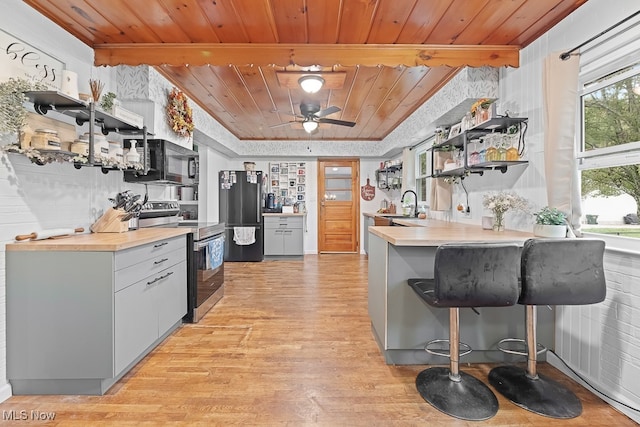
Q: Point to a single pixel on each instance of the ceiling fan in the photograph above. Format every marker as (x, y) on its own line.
(312, 115)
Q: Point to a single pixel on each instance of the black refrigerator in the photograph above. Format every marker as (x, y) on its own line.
(241, 211)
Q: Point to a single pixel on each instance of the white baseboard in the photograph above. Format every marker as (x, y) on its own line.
(558, 364)
(5, 392)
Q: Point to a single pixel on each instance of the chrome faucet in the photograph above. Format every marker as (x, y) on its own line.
(415, 199)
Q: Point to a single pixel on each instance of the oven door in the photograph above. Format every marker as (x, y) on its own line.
(208, 275)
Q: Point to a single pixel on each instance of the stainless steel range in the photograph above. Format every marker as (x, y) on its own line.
(205, 252)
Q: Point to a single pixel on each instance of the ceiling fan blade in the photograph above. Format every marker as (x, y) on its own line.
(327, 111)
(337, 122)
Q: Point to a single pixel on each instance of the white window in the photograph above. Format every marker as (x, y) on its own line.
(423, 173)
(609, 152)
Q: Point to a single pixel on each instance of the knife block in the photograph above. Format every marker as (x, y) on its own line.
(111, 222)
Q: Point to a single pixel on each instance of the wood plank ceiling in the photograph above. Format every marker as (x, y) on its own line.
(225, 54)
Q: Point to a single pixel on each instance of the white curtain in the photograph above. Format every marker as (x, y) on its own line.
(560, 90)
(408, 170)
(440, 191)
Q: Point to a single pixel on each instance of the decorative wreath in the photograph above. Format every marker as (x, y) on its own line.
(179, 113)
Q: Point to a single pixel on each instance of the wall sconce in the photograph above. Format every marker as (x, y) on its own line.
(309, 125)
(311, 84)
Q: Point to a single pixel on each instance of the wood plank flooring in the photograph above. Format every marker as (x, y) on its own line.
(289, 344)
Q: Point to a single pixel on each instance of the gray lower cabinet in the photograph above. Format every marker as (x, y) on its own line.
(284, 235)
(77, 321)
(368, 222)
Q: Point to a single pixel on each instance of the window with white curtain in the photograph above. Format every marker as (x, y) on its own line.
(609, 151)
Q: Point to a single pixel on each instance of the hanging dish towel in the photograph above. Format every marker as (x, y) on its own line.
(244, 235)
(216, 252)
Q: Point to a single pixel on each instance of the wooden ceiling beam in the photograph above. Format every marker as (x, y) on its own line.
(262, 54)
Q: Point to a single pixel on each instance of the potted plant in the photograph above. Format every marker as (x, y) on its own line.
(108, 101)
(550, 222)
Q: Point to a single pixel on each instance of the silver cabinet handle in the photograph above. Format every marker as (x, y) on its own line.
(159, 278)
(159, 245)
(160, 261)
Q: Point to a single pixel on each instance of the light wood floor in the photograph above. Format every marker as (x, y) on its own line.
(289, 344)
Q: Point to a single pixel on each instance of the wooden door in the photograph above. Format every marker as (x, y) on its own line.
(339, 207)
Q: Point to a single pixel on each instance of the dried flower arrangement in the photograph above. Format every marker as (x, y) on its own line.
(179, 113)
(501, 202)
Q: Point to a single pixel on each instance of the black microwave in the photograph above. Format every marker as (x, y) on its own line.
(168, 163)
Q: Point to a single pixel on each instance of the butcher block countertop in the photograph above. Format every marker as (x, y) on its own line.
(284, 214)
(389, 215)
(98, 242)
(435, 233)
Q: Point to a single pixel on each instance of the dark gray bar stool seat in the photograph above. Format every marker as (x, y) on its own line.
(465, 275)
(554, 272)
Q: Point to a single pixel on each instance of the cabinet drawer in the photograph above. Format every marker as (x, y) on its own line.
(146, 310)
(283, 222)
(129, 275)
(129, 257)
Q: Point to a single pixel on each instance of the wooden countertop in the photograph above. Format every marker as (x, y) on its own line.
(389, 215)
(284, 214)
(435, 233)
(411, 222)
(100, 242)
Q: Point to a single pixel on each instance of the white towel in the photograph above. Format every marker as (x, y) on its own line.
(244, 235)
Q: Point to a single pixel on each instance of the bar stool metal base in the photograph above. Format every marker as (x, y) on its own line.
(467, 399)
(541, 395)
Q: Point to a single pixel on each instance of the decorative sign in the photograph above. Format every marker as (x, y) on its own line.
(20, 60)
(368, 191)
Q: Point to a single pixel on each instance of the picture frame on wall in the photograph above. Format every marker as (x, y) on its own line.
(455, 130)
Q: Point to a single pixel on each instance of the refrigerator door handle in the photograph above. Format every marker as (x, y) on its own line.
(258, 203)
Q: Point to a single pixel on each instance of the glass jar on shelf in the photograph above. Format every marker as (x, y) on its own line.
(492, 152)
(482, 153)
(512, 151)
(502, 148)
(473, 155)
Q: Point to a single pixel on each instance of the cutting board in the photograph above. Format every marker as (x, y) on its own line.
(368, 191)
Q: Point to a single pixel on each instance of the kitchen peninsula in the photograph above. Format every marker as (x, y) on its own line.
(402, 323)
(83, 310)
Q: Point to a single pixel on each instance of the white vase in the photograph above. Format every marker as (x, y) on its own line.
(550, 231)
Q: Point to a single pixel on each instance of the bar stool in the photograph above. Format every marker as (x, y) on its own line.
(465, 275)
(554, 272)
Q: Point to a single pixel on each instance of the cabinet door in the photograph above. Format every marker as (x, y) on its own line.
(273, 244)
(136, 322)
(171, 296)
(293, 242)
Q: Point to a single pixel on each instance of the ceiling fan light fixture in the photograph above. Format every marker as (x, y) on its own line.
(309, 125)
(311, 83)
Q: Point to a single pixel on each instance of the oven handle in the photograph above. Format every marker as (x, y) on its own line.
(202, 243)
